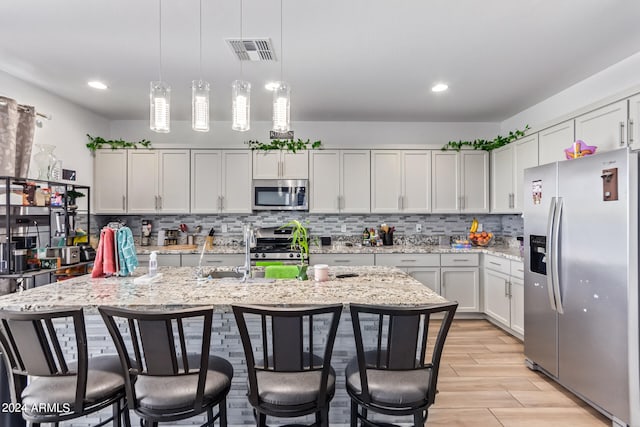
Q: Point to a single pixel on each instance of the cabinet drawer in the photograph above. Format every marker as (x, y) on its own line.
(172, 260)
(408, 260)
(517, 269)
(459, 260)
(496, 263)
(342, 259)
(213, 259)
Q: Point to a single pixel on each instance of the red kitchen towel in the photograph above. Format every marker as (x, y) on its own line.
(104, 264)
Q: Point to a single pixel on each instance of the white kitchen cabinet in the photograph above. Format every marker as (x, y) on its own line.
(604, 127)
(220, 181)
(164, 260)
(340, 181)
(110, 182)
(400, 181)
(212, 260)
(460, 181)
(158, 181)
(504, 292)
(428, 276)
(280, 164)
(634, 122)
(552, 142)
(425, 268)
(460, 280)
(507, 173)
(342, 259)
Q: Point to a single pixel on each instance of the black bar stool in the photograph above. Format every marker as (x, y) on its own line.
(168, 377)
(395, 371)
(292, 376)
(59, 388)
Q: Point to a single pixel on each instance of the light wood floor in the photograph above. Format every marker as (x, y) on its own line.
(483, 382)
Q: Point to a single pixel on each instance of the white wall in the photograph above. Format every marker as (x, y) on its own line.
(621, 77)
(332, 134)
(66, 130)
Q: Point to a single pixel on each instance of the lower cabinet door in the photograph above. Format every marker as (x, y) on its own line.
(497, 303)
(517, 305)
(172, 260)
(461, 285)
(428, 276)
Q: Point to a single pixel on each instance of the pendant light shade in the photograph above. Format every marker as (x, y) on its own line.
(160, 107)
(241, 105)
(281, 108)
(200, 106)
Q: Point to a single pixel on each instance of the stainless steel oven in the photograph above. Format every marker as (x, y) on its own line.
(280, 195)
(274, 244)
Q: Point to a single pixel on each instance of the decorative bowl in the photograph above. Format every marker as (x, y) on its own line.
(481, 239)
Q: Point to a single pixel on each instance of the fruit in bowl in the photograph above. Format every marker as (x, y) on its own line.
(482, 238)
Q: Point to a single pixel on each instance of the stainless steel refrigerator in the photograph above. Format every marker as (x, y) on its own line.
(581, 279)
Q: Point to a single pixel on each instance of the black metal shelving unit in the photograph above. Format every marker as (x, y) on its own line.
(26, 210)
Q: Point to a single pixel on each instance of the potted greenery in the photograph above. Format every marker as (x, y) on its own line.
(72, 195)
(300, 243)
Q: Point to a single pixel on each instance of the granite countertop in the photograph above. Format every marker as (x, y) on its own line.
(498, 250)
(179, 288)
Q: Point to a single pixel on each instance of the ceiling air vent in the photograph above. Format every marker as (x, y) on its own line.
(252, 50)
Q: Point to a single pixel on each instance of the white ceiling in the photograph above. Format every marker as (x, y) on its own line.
(355, 60)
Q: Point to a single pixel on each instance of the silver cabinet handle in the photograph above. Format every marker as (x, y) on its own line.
(221, 203)
(159, 202)
(630, 131)
(459, 260)
(462, 202)
(155, 202)
(342, 260)
(213, 261)
(124, 203)
(399, 202)
(506, 288)
(621, 133)
(510, 295)
(408, 260)
(494, 263)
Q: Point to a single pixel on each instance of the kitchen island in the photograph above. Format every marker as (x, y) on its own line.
(179, 287)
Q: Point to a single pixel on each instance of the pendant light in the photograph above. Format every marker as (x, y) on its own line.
(241, 98)
(282, 94)
(160, 93)
(200, 96)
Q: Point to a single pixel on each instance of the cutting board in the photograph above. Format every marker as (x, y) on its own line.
(180, 247)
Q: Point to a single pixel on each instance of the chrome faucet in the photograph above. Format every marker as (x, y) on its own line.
(249, 242)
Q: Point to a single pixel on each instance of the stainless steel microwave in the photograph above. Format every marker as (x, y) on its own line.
(280, 195)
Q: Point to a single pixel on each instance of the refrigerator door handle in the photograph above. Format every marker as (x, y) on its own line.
(554, 254)
(549, 255)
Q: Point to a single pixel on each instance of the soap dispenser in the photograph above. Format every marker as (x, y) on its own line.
(153, 263)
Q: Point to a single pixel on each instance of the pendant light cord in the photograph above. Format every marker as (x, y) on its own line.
(241, 40)
(160, 38)
(201, 40)
(281, 44)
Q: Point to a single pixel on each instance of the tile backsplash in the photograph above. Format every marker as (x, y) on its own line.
(321, 224)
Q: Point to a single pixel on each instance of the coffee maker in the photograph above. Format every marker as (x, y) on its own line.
(146, 233)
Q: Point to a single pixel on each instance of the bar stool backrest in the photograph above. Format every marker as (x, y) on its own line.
(154, 343)
(31, 347)
(291, 339)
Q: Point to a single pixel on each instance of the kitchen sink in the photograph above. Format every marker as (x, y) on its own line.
(232, 276)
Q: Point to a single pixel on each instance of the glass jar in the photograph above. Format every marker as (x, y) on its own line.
(49, 167)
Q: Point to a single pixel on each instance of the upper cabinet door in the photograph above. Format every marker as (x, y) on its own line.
(355, 181)
(416, 181)
(552, 142)
(634, 122)
(205, 181)
(324, 177)
(386, 181)
(604, 127)
(236, 181)
(525, 156)
(474, 181)
(502, 179)
(110, 178)
(445, 194)
(266, 164)
(173, 181)
(142, 182)
(294, 165)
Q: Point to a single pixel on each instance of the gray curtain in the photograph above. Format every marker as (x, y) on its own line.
(17, 129)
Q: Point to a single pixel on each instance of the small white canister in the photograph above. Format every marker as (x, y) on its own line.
(321, 272)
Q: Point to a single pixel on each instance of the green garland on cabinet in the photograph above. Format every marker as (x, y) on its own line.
(97, 142)
(285, 144)
(486, 145)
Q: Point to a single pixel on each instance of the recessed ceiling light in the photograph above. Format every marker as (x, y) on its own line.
(440, 87)
(98, 85)
(272, 86)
